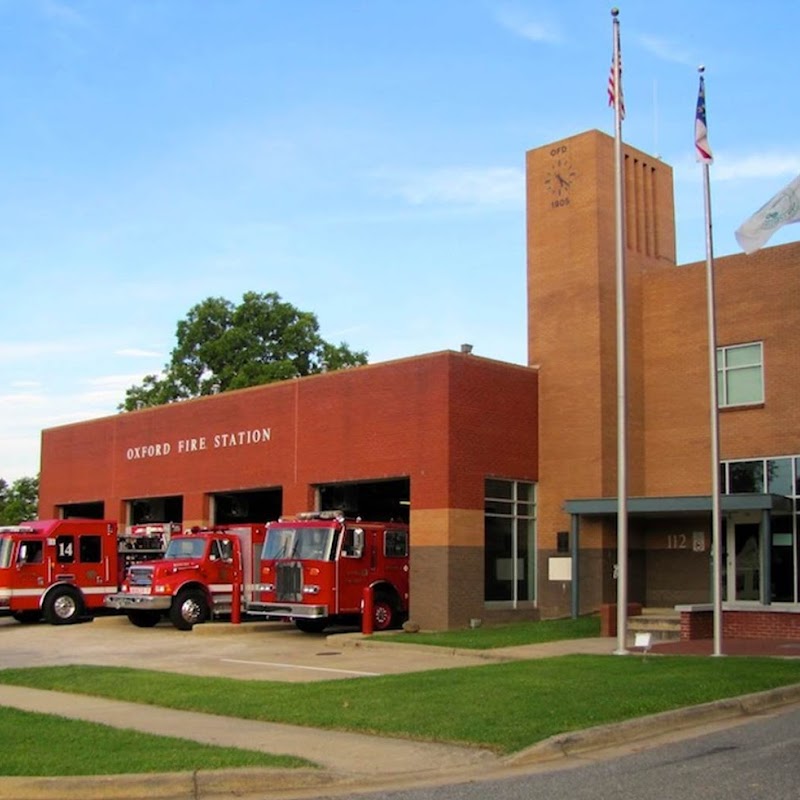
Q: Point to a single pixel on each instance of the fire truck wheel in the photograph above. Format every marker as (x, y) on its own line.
(144, 619)
(62, 606)
(188, 609)
(383, 613)
(311, 625)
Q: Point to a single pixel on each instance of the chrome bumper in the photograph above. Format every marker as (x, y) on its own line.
(123, 601)
(293, 610)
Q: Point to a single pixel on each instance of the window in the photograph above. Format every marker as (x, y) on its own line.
(509, 541)
(740, 374)
(91, 549)
(313, 544)
(221, 550)
(30, 551)
(6, 548)
(750, 476)
(746, 477)
(779, 476)
(353, 543)
(396, 544)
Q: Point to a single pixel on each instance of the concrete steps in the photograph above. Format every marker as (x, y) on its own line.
(663, 625)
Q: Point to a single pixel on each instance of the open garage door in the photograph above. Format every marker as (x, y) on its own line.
(146, 510)
(381, 500)
(255, 505)
(83, 510)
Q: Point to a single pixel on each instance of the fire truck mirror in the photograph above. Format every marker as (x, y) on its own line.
(353, 544)
(227, 550)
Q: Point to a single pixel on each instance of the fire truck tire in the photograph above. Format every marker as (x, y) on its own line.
(63, 606)
(189, 608)
(383, 613)
(27, 617)
(312, 625)
(144, 619)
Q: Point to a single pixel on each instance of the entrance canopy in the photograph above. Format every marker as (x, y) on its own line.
(678, 506)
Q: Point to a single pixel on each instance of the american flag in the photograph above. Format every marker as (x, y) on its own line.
(612, 89)
(700, 129)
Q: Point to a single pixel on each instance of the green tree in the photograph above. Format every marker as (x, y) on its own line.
(223, 346)
(19, 501)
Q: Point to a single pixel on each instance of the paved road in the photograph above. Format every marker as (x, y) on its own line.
(759, 760)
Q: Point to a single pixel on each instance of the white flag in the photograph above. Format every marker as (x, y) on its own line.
(781, 210)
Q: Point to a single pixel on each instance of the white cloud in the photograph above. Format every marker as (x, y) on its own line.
(20, 400)
(464, 186)
(137, 352)
(665, 50)
(114, 381)
(762, 165)
(755, 166)
(521, 24)
(20, 456)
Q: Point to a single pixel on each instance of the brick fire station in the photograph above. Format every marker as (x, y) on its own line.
(508, 473)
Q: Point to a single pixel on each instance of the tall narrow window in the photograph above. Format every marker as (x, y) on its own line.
(509, 541)
(740, 374)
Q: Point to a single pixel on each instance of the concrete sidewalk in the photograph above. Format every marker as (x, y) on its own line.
(346, 760)
(343, 757)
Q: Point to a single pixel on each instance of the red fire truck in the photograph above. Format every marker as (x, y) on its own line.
(316, 566)
(59, 569)
(199, 576)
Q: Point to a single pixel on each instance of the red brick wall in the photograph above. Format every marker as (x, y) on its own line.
(742, 625)
(445, 420)
(757, 299)
(761, 625)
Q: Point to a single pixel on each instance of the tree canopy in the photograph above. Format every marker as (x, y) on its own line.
(223, 346)
(19, 501)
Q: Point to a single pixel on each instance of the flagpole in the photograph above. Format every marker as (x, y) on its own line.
(622, 414)
(716, 512)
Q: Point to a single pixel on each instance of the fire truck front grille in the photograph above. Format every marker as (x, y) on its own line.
(141, 576)
(289, 583)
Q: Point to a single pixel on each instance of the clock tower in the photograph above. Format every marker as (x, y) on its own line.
(572, 327)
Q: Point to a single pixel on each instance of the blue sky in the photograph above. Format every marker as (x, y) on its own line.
(362, 158)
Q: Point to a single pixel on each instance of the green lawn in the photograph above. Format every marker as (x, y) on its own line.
(45, 746)
(504, 706)
(511, 635)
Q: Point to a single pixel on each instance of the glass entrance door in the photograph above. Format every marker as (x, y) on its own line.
(743, 575)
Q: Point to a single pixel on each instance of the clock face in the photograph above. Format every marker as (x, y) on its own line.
(560, 177)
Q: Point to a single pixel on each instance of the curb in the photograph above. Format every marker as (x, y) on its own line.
(166, 786)
(602, 736)
(360, 641)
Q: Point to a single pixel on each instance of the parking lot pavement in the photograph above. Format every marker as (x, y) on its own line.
(264, 650)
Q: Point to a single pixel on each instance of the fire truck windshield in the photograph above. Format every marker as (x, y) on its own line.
(181, 547)
(6, 546)
(303, 544)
